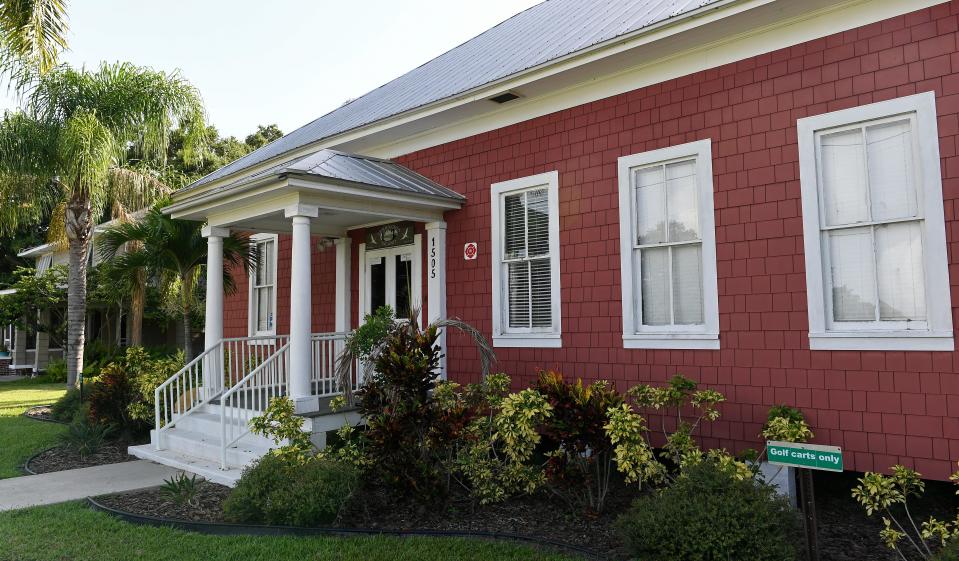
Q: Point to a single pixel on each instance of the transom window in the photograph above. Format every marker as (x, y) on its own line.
(263, 286)
(526, 262)
(875, 237)
(668, 248)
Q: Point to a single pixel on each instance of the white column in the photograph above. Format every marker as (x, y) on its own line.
(301, 310)
(436, 280)
(213, 324)
(19, 351)
(344, 296)
(42, 356)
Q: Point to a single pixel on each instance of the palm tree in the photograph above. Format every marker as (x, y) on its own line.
(70, 150)
(32, 35)
(174, 252)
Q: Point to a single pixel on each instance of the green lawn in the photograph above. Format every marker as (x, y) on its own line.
(73, 532)
(20, 437)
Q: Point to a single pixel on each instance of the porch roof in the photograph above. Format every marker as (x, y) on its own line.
(355, 169)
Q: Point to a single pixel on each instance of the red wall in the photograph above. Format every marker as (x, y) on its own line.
(881, 407)
(323, 260)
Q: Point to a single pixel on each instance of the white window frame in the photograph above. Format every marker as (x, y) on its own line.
(936, 334)
(251, 314)
(635, 334)
(529, 337)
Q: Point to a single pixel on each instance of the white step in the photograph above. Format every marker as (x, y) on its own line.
(209, 424)
(209, 470)
(207, 446)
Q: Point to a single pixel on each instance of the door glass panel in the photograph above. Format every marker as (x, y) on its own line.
(404, 284)
(377, 284)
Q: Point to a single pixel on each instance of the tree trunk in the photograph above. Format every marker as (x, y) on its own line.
(137, 305)
(78, 228)
(186, 294)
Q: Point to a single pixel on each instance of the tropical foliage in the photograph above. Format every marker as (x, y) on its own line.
(174, 252)
(35, 292)
(888, 496)
(67, 154)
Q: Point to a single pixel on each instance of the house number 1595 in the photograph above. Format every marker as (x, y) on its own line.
(433, 258)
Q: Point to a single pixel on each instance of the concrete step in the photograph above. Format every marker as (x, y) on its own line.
(207, 469)
(207, 446)
(209, 423)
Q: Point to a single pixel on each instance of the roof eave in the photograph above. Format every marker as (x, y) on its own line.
(505, 82)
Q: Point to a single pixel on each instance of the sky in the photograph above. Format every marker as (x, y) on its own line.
(283, 61)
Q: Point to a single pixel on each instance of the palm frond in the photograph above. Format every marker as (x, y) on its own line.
(33, 32)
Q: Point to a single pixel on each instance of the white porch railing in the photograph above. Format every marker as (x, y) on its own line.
(250, 397)
(226, 362)
(244, 374)
(326, 350)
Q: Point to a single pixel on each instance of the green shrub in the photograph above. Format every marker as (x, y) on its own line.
(121, 396)
(281, 490)
(84, 437)
(579, 449)
(949, 552)
(408, 446)
(66, 408)
(180, 489)
(708, 514)
(57, 371)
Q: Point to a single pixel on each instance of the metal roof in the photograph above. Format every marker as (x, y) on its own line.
(545, 32)
(354, 168)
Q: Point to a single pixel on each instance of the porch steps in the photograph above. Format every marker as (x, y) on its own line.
(193, 445)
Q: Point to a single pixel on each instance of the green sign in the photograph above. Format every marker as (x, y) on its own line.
(812, 456)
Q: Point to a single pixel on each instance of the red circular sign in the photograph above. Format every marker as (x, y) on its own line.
(470, 250)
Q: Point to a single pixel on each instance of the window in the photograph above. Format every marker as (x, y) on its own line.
(526, 294)
(876, 268)
(668, 249)
(263, 286)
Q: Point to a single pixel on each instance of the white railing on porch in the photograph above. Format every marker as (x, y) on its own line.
(326, 351)
(227, 362)
(244, 375)
(250, 397)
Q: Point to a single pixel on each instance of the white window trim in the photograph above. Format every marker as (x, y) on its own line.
(501, 337)
(251, 329)
(705, 336)
(938, 336)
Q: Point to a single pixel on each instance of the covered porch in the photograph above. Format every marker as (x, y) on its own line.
(314, 199)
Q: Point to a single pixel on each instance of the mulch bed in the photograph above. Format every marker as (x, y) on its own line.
(541, 515)
(845, 532)
(61, 458)
(41, 413)
(152, 502)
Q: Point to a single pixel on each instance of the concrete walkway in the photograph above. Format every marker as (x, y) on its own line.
(12, 377)
(73, 484)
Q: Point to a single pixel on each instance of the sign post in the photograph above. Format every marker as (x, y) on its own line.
(806, 457)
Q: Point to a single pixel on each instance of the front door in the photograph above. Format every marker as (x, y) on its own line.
(392, 279)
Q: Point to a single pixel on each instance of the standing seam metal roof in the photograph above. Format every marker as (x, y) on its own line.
(542, 33)
(354, 168)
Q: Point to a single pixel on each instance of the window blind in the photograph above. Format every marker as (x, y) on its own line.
(526, 260)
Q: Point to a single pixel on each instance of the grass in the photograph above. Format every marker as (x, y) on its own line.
(21, 437)
(73, 532)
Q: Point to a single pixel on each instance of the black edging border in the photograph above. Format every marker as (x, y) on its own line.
(227, 529)
(26, 465)
(42, 420)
